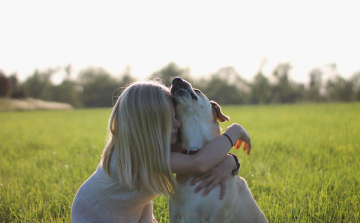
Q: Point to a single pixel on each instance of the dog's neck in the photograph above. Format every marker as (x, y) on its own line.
(196, 133)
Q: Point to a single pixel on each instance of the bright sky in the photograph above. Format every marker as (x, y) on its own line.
(201, 35)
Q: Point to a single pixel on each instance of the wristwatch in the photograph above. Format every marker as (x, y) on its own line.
(237, 167)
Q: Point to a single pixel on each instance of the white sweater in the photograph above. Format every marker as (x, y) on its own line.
(104, 199)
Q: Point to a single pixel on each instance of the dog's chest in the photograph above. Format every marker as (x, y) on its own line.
(192, 204)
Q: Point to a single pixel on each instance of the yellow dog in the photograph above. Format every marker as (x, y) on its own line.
(199, 124)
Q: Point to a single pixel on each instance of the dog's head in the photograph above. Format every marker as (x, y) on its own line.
(198, 116)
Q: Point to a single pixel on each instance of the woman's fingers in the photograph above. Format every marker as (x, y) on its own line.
(211, 186)
(247, 147)
(247, 142)
(238, 144)
(203, 184)
(218, 175)
(223, 190)
(199, 178)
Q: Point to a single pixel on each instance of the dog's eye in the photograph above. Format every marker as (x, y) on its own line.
(197, 91)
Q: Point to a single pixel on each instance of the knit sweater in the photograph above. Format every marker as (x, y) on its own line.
(105, 199)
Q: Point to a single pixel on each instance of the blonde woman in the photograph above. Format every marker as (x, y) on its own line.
(137, 163)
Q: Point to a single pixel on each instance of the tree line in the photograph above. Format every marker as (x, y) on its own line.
(95, 87)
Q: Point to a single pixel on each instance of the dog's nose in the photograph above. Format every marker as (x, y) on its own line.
(177, 80)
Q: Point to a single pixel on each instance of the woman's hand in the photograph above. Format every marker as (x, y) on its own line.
(243, 137)
(217, 175)
(247, 146)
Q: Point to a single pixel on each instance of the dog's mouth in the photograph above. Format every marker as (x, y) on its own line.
(181, 88)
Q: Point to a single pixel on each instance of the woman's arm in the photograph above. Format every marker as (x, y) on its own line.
(217, 175)
(211, 154)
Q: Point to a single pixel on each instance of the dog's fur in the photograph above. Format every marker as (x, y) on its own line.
(199, 124)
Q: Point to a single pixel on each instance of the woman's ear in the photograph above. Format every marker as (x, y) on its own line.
(218, 115)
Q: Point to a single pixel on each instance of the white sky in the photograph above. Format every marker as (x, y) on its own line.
(201, 35)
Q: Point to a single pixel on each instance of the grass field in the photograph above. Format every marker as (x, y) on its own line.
(303, 167)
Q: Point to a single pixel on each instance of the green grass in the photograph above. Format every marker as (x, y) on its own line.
(303, 166)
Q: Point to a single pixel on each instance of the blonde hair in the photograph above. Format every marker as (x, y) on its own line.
(140, 131)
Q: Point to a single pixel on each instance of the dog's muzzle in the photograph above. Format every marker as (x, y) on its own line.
(181, 93)
(181, 88)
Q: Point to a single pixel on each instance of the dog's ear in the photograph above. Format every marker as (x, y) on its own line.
(218, 115)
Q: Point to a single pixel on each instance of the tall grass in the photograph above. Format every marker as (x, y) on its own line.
(303, 166)
(305, 160)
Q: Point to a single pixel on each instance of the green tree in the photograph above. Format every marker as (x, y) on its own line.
(170, 71)
(260, 90)
(5, 85)
(285, 91)
(339, 89)
(126, 77)
(315, 84)
(225, 87)
(67, 92)
(18, 90)
(98, 87)
(39, 85)
(355, 79)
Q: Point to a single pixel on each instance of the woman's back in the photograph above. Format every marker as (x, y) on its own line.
(104, 199)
